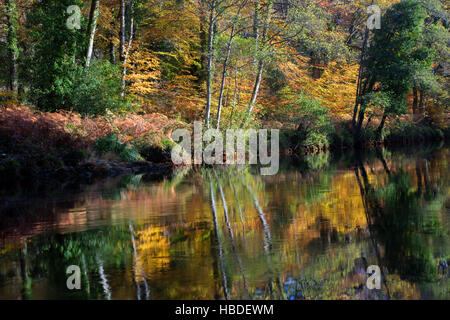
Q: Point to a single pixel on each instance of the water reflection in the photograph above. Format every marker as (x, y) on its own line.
(309, 232)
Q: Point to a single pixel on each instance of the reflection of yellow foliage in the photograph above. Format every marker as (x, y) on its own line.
(401, 289)
(152, 249)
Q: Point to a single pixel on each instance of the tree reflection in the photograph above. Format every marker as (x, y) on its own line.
(399, 222)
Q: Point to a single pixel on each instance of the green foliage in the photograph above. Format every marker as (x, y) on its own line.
(398, 58)
(155, 152)
(111, 143)
(395, 55)
(410, 132)
(54, 61)
(312, 121)
(98, 89)
(275, 78)
(386, 101)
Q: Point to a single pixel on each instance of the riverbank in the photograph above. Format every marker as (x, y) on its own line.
(63, 146)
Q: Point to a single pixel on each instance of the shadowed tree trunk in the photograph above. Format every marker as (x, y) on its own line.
(13, 49)
(127, 50)
(356, 131)
(203, 43)
(112, 52)
(415, 101)
(422, 102)
(381, 126)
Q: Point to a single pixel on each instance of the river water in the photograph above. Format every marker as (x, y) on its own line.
(309, 232)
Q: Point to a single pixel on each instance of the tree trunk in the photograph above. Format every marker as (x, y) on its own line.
(381, 126)
(92, 27)
(415, 101)
(203, 44)
(210, 62)
(256, 29)
(316, 71)
(257, 85)
(255, 91)
(13, 49)
(224, 71)
(122, 30)
(112, 52)
(235, 95)
(360, 76)
(127, 50)
(422, 104)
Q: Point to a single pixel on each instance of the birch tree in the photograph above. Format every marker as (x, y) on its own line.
(92, 27)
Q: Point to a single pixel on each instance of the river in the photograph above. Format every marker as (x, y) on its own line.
(309, 232)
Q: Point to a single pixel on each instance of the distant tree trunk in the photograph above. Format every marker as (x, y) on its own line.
(127, 50)
(235, 95)
(415, 101)
(112, 52)
(203, 44)
(210, 62)
(92, 27)
(122, 30)
(13, 49)
(381, 126)
(316, 71)
(422, 102)
(257, 85)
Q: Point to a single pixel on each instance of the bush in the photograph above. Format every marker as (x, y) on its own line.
(312, 120)
(155, 152)
(111, 143)
(409, 132)
(98, 89)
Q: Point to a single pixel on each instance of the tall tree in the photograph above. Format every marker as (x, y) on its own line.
(211, 22)
(13, 49)
(385, 82)
(127, 49)
(234, 23)
(92, 26)
(122, 30)
(260, 61)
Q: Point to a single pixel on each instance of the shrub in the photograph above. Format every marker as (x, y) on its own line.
(111, 143)
(410, 132)
(312, 121)
(98, 89)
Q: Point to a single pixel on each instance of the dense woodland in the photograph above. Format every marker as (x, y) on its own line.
(136, 69)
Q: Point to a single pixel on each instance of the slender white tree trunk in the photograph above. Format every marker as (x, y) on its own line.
(224, 75)
(92, 27)
(210, 62)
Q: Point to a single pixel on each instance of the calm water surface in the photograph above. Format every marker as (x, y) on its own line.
(309, 232)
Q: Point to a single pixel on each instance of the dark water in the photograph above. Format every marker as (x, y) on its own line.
(309, 232)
